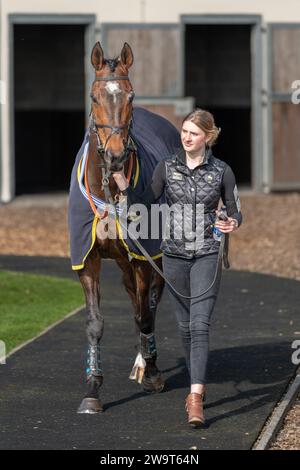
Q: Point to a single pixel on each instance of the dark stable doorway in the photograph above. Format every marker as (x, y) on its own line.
(49, 108)
(218, 75)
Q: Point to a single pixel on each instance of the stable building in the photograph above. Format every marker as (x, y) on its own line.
(239, 60)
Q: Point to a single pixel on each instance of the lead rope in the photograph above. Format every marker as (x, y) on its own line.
(158, 270)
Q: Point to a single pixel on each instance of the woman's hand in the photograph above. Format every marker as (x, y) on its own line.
(121, 180)
(230, 225)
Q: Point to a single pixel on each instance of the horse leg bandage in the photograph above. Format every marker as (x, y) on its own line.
(94, 361)
(148, 346)
(138, 369)
(147, 351)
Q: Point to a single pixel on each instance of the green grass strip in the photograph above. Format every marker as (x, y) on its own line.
(29, 303)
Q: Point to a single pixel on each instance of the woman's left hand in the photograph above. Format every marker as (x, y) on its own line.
(230, 225)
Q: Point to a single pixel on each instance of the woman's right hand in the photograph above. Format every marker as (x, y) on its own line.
(121, 180)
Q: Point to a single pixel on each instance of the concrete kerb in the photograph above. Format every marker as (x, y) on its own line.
(275, 421)
(21, 346)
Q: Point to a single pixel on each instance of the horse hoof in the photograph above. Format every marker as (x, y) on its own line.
(153, 384)
(90, 406)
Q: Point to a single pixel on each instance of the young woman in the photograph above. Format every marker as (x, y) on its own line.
(193, 176)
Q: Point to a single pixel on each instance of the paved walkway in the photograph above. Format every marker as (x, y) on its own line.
(249, 368)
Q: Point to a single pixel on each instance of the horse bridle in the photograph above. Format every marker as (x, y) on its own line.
(101, 149)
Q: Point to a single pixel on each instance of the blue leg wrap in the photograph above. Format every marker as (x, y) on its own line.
(148, 346)
(94, 361)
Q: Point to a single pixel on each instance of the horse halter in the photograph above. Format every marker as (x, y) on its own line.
(101, 149)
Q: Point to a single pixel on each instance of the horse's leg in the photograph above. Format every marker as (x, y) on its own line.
(145, 369)
(156, 290)
(129, 283)
(89, 278)
(128, 278)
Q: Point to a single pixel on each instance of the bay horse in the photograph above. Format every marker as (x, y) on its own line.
(110, 149)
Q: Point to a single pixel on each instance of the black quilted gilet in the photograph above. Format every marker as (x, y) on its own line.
(185, 188)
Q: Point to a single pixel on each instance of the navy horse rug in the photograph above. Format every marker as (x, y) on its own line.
(155, 139)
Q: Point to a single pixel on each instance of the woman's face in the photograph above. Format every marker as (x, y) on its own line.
(192, 137)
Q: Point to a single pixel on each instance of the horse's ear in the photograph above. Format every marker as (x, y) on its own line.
(97, 56)
(126, 56)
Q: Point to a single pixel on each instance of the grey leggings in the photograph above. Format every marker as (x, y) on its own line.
(191, 277)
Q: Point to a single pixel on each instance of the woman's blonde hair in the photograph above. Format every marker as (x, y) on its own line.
(205, 121)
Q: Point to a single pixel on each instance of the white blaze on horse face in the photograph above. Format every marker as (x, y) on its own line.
(113, 88)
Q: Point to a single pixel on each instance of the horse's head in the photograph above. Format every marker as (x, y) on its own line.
(112, 97)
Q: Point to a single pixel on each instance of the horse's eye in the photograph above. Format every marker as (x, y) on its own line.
(131, 96)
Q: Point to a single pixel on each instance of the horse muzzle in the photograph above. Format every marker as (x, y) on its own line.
(115, 162)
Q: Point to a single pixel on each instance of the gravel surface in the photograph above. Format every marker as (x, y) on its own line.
(267, 242)
(288, 437)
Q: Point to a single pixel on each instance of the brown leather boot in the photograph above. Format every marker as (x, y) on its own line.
(194, 408)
